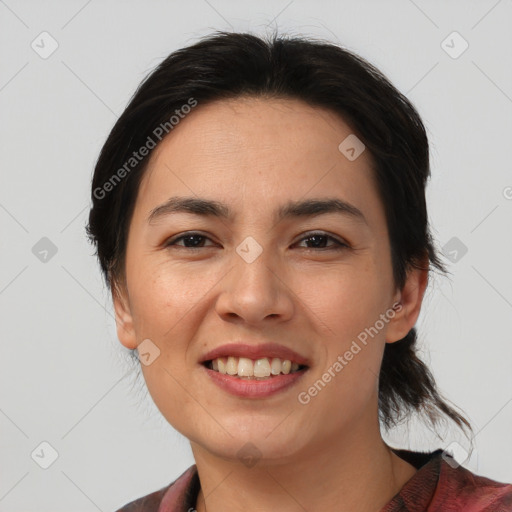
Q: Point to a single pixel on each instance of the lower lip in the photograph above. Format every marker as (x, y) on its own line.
(254, 388)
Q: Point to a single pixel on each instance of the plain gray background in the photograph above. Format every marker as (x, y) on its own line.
(63, 378)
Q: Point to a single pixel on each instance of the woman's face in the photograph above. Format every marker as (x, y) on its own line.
(317, 282)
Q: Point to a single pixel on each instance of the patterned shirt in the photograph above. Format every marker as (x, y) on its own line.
(439, 485)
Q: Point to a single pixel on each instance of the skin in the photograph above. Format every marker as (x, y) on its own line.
(255, 155)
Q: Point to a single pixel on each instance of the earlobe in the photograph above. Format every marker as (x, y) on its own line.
(124, 319)
(410, 299)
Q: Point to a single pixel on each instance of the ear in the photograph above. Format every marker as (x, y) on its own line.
(124, 319)
(410, 298)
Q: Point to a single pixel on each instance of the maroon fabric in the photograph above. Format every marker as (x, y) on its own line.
(440, 487)
(435, 487)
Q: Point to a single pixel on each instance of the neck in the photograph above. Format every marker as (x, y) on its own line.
(342, 472)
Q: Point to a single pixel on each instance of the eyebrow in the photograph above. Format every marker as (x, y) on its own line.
(292, 209)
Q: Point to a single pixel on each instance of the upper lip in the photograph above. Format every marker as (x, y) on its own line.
(255, 352)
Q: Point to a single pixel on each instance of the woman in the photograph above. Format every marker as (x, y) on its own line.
(259, 215)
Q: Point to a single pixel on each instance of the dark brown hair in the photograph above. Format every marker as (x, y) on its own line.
(229, 65)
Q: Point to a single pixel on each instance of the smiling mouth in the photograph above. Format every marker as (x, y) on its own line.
(259, 369)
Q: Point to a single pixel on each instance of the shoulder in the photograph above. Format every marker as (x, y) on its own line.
(441, 485)
(465, 490)
(175, 495)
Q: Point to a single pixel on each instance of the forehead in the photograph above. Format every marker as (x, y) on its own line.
(256, 150)
(286, 126)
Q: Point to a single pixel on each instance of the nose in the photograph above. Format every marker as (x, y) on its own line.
(256, 292)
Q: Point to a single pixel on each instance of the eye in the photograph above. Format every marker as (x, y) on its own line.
(193, 240)
(190, 240)
(319, 239)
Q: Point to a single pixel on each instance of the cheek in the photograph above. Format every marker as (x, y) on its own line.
(346, 307)
(164, 298)
(343, 302)
(169, 306)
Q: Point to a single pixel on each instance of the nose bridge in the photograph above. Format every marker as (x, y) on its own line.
(253, 265)
(254, 290)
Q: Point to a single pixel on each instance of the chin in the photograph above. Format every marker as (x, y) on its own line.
(254, 447)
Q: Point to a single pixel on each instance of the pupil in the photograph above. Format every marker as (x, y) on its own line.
(191, 237)
(316, 237)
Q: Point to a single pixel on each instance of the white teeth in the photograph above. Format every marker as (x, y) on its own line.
(247, 368)
(275, 366)
(232, 366)
(262, 368)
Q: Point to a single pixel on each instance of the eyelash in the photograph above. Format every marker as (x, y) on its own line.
(339, 244)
